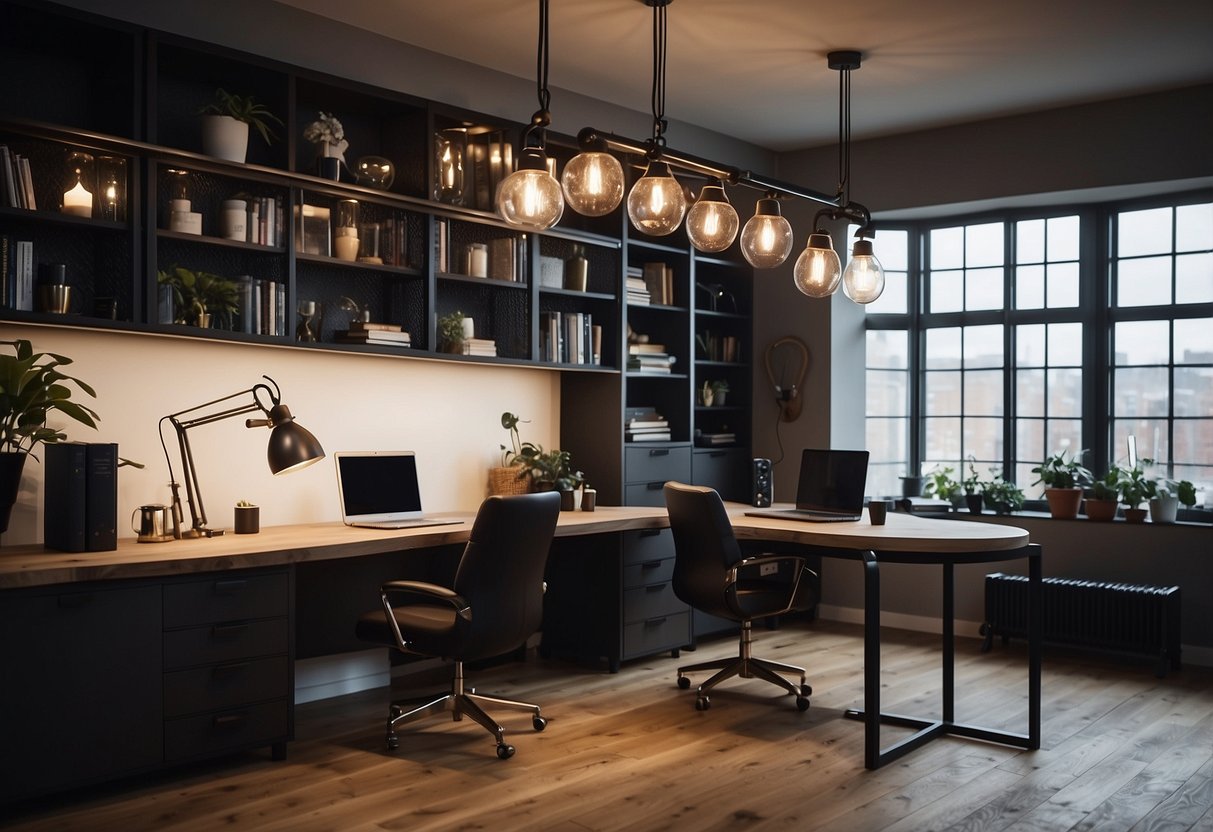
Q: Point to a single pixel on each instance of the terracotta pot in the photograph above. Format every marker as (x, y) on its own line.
(1136, 515)
(1063, 502)
(1102, 510)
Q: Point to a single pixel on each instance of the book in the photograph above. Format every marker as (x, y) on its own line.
(377, 337)
(101, 496)
(23, 275)
(372, 326)
(661, 436)
(639, 349)
(64, 509)
(27, 179)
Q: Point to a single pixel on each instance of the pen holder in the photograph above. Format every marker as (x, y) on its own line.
(248, 519)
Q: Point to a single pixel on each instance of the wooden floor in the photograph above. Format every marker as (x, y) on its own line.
(1121, 750)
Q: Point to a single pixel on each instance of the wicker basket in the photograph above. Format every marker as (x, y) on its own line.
(505, 481)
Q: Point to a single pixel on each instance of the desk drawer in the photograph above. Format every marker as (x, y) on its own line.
(224, 685)
(224, 642)
(725, 469)
(235, 728)
(233, 597)
(648, 573)
(656, 464)
(670, 632)
(647, 545)
(645, 603)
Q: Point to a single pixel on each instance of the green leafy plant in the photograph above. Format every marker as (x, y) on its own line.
(450, 330)
(1059, 472)
(972, 483)
(242, 108)
(1001, 495)
(547, 469)
(198, 293)
(1132, 486)
(940, 484)
(1104, 488)
(32, 387)
(245, 504)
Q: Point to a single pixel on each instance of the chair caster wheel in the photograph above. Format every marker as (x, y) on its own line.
(539, 723)
(806, 690)
(702, 703)
(393, 742)
(684, 683)
(504, 751)
(802, 704)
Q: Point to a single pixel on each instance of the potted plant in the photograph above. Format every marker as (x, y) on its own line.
(971, 485)
(1001, 495)
(32, 386)
(1063, 479)
(720, 389)
(328, 134)
(200, 298)
(450, 331)
(1132, 486)
(547, 470)
(247, 518)
(1165, 495)
(226, 122)
(1102, 503)
(940, 484)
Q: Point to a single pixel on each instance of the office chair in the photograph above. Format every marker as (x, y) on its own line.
(494, 606)
(712, 575)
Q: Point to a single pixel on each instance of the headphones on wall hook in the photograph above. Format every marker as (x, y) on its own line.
(791, 356)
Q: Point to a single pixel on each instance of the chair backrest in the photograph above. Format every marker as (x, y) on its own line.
(704, 545)
(501, 572)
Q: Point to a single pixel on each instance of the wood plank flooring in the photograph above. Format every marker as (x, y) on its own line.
(1121, 751)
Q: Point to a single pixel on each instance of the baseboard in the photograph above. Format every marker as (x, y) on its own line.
(327, 676)
(1189, 653)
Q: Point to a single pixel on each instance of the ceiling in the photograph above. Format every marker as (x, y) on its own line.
(756, 69)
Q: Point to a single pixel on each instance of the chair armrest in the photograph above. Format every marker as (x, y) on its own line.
(798, 571)
(418, 590)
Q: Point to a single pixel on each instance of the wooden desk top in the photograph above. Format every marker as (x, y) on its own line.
(904, 535)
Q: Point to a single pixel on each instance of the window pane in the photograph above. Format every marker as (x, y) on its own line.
(894, 299)
(887, 348)
(1030, 392)
(1193, 440)
(1030, 241)
(1142, 342)
(1145, 282)
(943, 348)
(1194, 393)
(943, 438)
(1065, 345)
(1030, 439)
(983, 438)
(1024, 479)
(1194, 278)
(1143, 232)
(1063, 238)
(1030, 345)
(1065, 392)
(1141, 391)
(882, 479)
(1151, 438)
(892, 249)
(887, 394)
(1030, 287)
(947, 291)
(886, 440)
(1063, 435)
(1194, 227)
(947, 248)
(1063, 285)
(983, 346)
(983, 245)
(983, 289)
(1194, 341)
(942, 393)
(983, 393)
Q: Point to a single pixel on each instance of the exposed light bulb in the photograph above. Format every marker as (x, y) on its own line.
(863, 280)
(818, 270)
(593, 183)
(766, 240)
(656, 203)
(712, 222)
(530, 197)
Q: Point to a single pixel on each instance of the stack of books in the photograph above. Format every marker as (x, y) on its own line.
(368, 332)
(708, 440)
(659, 281)
(645, 424)
(649, 358)
(479, 346)
(16, 181)
(638, 291)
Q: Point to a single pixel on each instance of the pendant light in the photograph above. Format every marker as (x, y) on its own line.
(593, 181)
(656, 203)
(712, 222)
(766, 240)
(818, 270)
(530, 197)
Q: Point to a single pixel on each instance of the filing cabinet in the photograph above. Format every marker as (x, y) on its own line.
(653, 618)
(646, 471)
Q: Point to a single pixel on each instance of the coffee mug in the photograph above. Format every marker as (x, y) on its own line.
(877, 509)
(153, 524)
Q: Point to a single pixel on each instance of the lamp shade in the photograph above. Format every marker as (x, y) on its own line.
(593, 183)
(291, 446)
(818, 270)
(712, 222)
(656, 204)
(530, 197)
(766, 240)
(863, 280)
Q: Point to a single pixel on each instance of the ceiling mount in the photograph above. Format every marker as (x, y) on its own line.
(842, 59)
(657, 2)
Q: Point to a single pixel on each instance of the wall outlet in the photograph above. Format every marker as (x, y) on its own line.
(765, 569)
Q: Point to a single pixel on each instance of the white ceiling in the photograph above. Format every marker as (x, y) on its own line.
(756, 69)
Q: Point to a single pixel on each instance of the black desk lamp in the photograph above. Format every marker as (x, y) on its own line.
(291, 447)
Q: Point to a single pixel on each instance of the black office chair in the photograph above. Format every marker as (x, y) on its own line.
(712, 575)
(495, 605)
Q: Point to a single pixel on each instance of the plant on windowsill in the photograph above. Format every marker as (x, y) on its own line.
(1132, 486)
(1000, 495)
(1063, 479)
(941, 486)
(1165, 497)
(1103, 501)
(971, 485)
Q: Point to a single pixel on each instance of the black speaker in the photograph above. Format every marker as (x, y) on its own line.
(762, 486)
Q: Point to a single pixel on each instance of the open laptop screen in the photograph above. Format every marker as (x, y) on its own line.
(378, 486)
(832, 481)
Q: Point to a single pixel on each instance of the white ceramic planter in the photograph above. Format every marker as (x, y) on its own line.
(225, 138)
(1164, 509)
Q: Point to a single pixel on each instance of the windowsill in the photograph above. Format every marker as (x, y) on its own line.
(964, 514)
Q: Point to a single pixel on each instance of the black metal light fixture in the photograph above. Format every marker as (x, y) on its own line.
(291, 447)
(530, 197)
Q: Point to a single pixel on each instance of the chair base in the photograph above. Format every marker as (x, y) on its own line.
(746, 666)
(461, 703)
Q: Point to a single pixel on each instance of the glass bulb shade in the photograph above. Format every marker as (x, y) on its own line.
(530, 197)
(712, 222)
(863, 280)
(766, 240)
(656, 204)
(593, 183)
(818, 270)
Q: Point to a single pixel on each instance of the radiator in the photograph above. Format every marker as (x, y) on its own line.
(1109, 616)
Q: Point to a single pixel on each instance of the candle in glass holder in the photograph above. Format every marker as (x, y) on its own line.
(78, 201)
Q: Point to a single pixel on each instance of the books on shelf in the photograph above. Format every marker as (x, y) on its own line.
(16, 273)
(569, 338)
(637, 290)
(659, 281)
(642, 349)
(16, 180)
(261, 306)
(709, 440)
(645, 424)
(655, 362)
(480, 346)
(368, 332)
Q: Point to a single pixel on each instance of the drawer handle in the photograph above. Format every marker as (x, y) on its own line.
(650, 532)
(229, 721)
(653, 622)
(655, 486)
(221, 671)
(650, 564)
(227, 630)
(74, 601)
(659, 451)
(229, 587)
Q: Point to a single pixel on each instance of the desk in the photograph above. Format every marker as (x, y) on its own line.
(909, 539)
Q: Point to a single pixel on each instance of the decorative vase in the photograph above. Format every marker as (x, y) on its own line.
(1136, 515)
(11, 465)
(1102, 510)
(329, 167)
(1164, 509)
(225, 138)
(1063, 502)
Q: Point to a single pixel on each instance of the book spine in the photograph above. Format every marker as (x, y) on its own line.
(64, 510)
(101, 497)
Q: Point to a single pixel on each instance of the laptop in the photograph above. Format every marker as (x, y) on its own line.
(379, 490)
(830, 489)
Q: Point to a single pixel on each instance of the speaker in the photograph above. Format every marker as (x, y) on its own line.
(762, 484)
